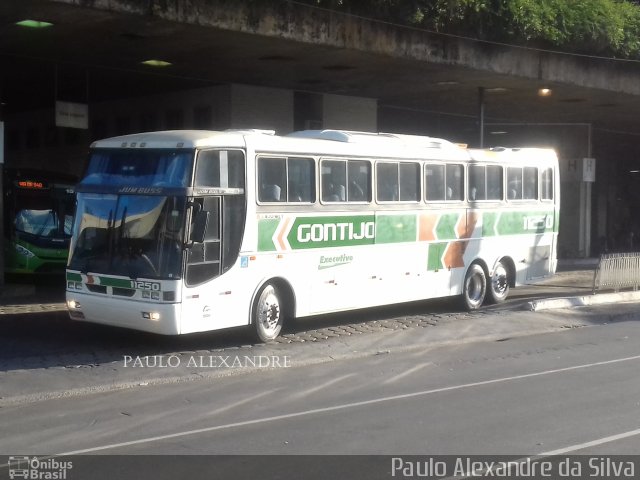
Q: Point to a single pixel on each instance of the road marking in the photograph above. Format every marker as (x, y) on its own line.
(592, 443)
(348, 406)
(237, 403)
(406, 373)
(322, 386)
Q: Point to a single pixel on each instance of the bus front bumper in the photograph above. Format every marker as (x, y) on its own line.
(161, 318)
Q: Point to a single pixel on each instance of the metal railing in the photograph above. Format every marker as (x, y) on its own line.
(616, 271)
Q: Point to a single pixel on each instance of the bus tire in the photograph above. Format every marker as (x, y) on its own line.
(498, 290)
(474, 287)
(268, 313)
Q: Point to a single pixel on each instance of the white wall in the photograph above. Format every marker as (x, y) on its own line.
(222, 107)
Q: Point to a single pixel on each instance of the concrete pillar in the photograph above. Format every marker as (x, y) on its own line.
(584, 239)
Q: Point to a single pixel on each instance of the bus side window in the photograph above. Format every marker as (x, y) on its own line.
(301, 180)
(530, 183)
(547, 184)
(272, 174)
(386, 181)
(455, 182)
(359, 173)
(215, 168)
(477, 183)
(514, 183)
(334, 178)
(494, 182)
(409, 182)
(435, 183)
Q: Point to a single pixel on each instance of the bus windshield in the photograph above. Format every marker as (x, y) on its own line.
(130, 235)
(38, 211)
(44, 214)
(139, 167)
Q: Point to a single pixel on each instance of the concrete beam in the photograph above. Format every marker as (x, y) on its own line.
(306, 24)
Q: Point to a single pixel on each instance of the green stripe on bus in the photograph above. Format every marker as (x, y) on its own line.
(74, 277)
(300, 233)
(266, 229)
(396, 228)
(434, 260)
(114, 282)
(489, 220)
(513, 223)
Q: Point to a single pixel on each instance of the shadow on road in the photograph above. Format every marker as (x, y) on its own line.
(51, 339)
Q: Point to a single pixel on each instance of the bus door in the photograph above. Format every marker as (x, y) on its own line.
(540, 255)
(219, 222)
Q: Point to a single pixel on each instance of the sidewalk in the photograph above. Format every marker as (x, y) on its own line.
(29, 298)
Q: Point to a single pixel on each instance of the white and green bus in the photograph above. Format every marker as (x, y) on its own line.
(188, 231)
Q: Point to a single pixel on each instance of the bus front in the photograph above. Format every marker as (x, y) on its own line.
(159, 218)
(38, 216)
(125, 258)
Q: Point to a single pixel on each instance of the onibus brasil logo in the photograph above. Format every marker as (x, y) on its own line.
(35, 468)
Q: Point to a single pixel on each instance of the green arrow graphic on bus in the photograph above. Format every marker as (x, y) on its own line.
(266, 230)
(446, 228)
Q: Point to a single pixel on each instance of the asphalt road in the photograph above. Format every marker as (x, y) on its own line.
(344, 396)
(566, 392)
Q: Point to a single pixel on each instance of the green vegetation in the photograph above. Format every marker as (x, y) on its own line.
(596, 27)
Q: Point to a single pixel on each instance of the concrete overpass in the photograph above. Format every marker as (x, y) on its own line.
(288, 66)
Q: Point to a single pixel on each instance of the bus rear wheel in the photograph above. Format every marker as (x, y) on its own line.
(474, 287)
(498, 290)
(268, 314)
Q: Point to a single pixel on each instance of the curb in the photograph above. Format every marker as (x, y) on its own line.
(582, 301)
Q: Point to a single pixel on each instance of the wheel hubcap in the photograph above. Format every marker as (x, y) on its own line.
(269, 313)
(475, 288)
(499, 281)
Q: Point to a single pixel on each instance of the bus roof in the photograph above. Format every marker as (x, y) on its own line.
(529, 154)
(178, 139)
(324, 142)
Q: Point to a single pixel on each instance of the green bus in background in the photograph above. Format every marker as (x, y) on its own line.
(38, 212)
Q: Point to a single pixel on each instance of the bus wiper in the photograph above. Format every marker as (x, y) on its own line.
(110, 224)
(122, 221)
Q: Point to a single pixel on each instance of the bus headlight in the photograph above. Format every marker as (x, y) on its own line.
(73, 305)
(75, 312)
(24, 251)
(151, 315)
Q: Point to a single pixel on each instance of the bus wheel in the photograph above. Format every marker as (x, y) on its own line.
(268, 314)
(474, 287)
(499, 284)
